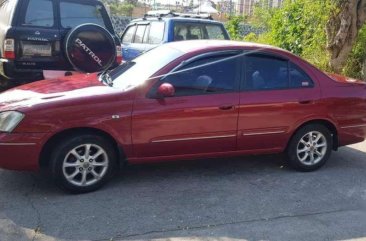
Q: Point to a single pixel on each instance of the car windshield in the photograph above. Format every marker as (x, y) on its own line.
(132, 74)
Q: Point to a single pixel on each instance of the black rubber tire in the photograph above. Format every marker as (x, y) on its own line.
(291, 151)
(66, 145)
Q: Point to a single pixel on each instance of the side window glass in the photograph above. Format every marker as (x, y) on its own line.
(74, 14)
(39, 13)
(298, 77)
(146, 35)
(215, 32)
(139, 37)
(263, 72)
(156, 32)
(206, 76)
(128, 36)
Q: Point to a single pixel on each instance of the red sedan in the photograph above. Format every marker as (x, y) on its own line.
(182, 100)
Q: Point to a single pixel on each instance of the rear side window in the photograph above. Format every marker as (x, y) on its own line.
(298, 78)
(139, 37)
(39, 13)
(215, 32)
(74, 14)
(264, 72)
(156, 32)
(128, 36)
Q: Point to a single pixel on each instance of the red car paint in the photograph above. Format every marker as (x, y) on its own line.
(252, 123)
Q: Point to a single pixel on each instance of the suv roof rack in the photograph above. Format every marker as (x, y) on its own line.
(170, 13)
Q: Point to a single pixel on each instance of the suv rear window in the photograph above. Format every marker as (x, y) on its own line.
(74, 14)
(191, 31)
(39, 13)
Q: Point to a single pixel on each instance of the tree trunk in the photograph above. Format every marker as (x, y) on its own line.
(364, 70)
(342, 31)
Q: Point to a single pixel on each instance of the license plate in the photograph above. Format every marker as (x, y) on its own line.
(37, 50)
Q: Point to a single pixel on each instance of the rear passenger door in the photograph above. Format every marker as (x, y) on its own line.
(275, 95)
(38, 38)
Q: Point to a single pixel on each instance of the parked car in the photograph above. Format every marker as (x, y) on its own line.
(197, 99)
(33, 34)
(159, 27)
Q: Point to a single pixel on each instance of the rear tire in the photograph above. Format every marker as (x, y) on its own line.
(83, 163)
(310, 148)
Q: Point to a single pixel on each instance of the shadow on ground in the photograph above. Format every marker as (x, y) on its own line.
(251, 198)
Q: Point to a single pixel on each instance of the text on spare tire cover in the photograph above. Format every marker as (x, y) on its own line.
(89, 51)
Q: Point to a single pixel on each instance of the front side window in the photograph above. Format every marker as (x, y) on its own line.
(205, 76)
(128, 36)
(139, 37)
(156, 32)
(39, 13)
(74, 14)
(263, 72)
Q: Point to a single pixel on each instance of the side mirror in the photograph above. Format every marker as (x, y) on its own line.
(166, 90)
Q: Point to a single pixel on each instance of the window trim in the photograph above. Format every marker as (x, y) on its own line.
(133, 36)
(273, 56)
(151, 94)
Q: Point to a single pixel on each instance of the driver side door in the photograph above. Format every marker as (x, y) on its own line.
(200, 118)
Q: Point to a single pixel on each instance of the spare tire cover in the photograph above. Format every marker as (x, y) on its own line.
(90, 48)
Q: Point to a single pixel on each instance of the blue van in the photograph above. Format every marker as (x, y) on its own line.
(159, 27)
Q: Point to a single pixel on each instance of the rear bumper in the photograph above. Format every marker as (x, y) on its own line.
(20, 151)
(9, 70)
(352, 134)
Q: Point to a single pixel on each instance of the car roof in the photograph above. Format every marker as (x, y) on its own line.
(195, 45)
(180, 19)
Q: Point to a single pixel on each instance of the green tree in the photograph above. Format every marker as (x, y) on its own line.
(233, 26)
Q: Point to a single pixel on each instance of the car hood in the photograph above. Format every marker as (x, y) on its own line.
(45, 91)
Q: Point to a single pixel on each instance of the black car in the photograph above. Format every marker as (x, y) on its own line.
(33, 35)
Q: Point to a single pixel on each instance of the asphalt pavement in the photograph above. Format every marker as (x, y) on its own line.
(244, 198)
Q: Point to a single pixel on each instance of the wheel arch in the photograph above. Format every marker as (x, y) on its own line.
(325, 122)
(46, 152)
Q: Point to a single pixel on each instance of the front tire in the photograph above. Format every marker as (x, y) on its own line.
(83, 163)
(310, 148)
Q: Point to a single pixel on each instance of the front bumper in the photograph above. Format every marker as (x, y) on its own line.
(20, 151)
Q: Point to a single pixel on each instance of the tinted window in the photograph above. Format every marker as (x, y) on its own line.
(205, 76)
(215, 32)
(156, 32)
(74, 14)
(128, 36)
(298, 78)
(264, 72)
(140, 33)
(39, 13)
(187, 31)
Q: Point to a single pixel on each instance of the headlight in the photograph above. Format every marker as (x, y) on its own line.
(9, 120)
